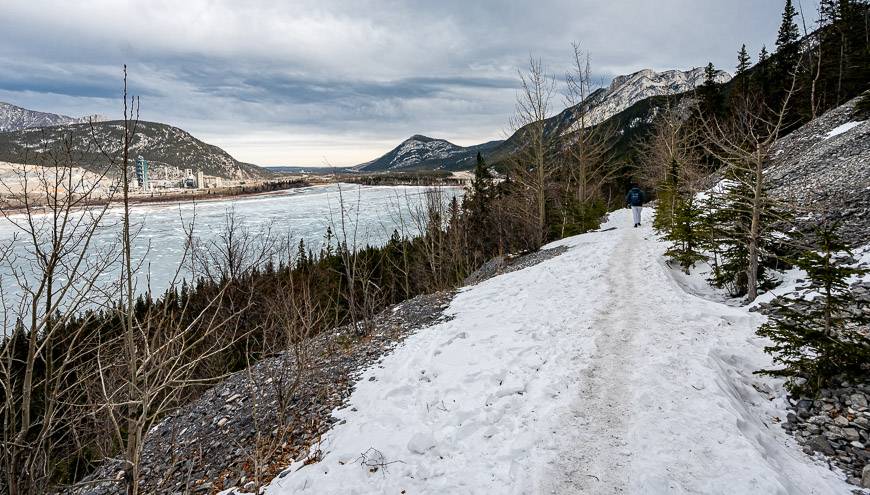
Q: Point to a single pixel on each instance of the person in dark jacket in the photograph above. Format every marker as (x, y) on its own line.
(634, 199)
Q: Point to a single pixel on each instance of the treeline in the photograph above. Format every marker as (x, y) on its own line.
(420, 178)
(737, 226)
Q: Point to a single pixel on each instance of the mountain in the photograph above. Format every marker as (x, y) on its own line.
(160, 144)
(627, 90)
(14, 118)
(611, 105)
(422, 152)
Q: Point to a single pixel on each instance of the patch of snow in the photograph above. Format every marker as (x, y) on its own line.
(840, 129)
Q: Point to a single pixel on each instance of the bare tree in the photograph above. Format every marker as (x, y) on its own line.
(534, 162)
(587, 146)
(671, 160)
(49, 275)
(743, 144)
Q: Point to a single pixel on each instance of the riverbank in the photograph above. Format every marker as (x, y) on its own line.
(14, 205)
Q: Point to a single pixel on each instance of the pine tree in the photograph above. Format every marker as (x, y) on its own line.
(301, 256)
(787, 47)
(730, 220)
(829, 12)
(761, 75)
(815, 339)
(711, 94)
(743, 64)
(480, 185)
(686, 236)
(667, 198)
(743, 60)
(478, 207)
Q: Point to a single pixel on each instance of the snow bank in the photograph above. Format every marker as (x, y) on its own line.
(592, 372)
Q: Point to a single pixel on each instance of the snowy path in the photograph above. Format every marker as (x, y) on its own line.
(592, 372)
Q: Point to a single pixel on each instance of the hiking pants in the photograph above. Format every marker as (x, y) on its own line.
(635, 210)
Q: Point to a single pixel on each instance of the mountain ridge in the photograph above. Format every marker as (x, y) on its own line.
(421, 152)
(15, 118)
(424, 152)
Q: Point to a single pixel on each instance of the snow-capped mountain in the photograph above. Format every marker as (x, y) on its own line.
(627, 90)
(14, 118)
(161, 144)
(422, 152)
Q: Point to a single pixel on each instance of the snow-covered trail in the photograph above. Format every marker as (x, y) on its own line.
(592, 372)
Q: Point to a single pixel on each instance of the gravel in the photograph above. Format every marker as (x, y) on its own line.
(827, 176)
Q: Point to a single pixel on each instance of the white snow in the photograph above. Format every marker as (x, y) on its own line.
(593, 372)
(840, 129)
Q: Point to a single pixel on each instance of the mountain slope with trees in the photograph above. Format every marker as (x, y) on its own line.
(160, 144)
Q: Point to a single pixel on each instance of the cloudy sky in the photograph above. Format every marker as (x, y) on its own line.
(341, 82)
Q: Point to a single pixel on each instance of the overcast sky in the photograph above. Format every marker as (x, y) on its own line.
(341, 82)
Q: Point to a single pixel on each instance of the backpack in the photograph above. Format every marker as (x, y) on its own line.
(634, 197)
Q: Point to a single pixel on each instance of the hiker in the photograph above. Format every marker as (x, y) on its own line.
(634, 200)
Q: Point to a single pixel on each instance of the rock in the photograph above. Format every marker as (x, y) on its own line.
(841, 421)
(205, 487)
(851, 434)
(865, 476)
(819, 443)
(859, 400)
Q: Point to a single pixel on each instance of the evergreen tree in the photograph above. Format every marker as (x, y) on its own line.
(730, 220)
(710, 92)
(743, 60)
(761, 75)
(478, 206)
(686, 236)
(763, 55)
(787, 47)
(480, 185)
(743, 64)
(815, 339)
(301, 256)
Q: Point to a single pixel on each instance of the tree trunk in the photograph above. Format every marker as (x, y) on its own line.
(754, 232)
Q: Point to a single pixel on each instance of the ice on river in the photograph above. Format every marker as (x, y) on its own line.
(371, 215)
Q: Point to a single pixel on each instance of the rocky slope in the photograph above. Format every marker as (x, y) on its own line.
(823, 168)
(421, 152)
(160, 144)
(14, 118)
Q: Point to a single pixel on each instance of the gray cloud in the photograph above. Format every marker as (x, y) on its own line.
(307, 81)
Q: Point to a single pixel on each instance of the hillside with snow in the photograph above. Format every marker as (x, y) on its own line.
(160, 144)
(600, 370)
(422, 152)
(15, 118)
(627, 90)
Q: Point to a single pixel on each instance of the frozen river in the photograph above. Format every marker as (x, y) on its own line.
(373, 212)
